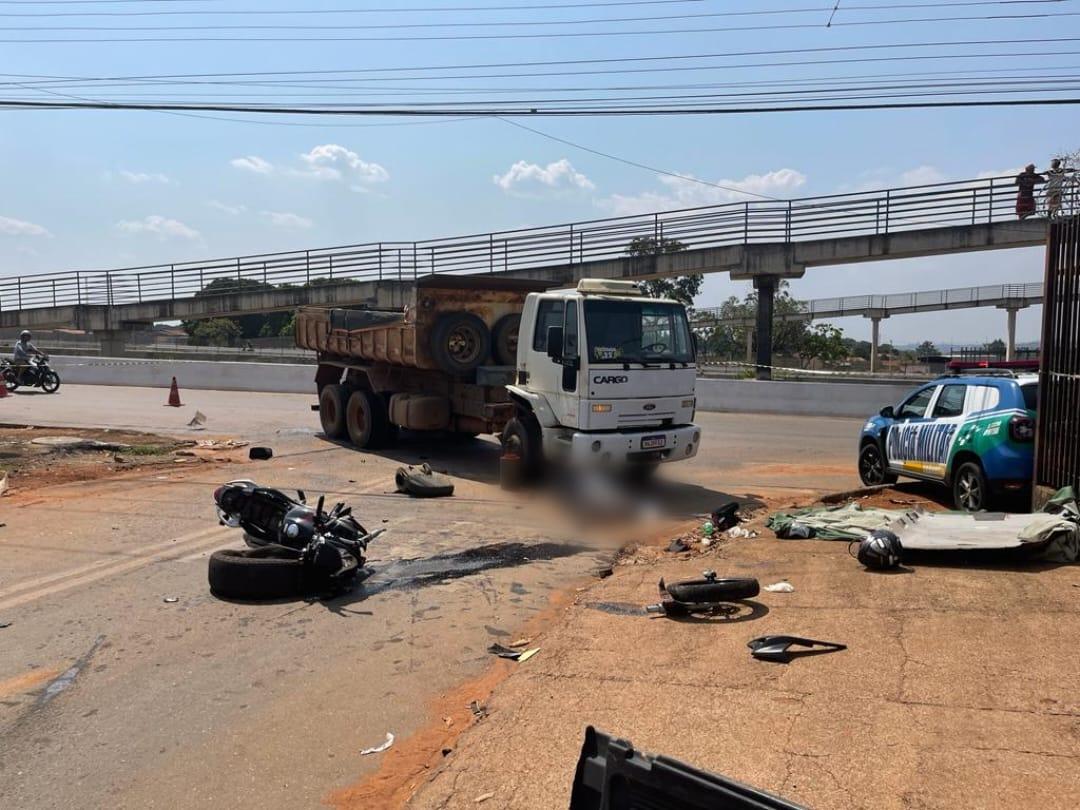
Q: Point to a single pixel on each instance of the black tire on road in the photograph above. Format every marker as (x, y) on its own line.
(971, 493)
(50, 383)
(11, 379)
(460, 342)
(504, 339)
(260, 573)
(521, 436)
(872, 466)
(423, 482)
(332, 402)
(714, 590)
(367, 420)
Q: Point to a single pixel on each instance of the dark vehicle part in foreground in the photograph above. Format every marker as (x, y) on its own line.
(295, 549)
(611, 775)
(778, 648)
(38, 374)
(707, 595)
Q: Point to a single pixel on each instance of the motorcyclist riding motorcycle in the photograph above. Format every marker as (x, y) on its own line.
(24, 350)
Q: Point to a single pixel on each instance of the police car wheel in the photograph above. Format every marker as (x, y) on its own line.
(872, 469)
(970, 490)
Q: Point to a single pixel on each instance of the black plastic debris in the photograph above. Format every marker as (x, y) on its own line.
(726, 516)
(778, 648)
(261, 453)
(678, 545)
(423, 482)
(611, 775)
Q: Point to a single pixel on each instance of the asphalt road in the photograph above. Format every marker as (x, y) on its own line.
(111, 696)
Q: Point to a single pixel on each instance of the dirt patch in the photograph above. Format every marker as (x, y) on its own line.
(22, 684)
(415, 759)
(40, 456)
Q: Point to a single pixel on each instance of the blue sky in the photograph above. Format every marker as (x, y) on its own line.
(87, 189)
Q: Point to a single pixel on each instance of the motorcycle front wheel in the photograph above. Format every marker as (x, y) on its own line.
(11, 379)
(50, 382)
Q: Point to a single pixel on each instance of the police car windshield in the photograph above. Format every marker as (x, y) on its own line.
(637, 332)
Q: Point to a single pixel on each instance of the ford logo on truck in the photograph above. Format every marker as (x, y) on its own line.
(617, 379)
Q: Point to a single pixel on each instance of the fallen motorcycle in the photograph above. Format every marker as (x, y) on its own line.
(295, 549)
(38, 374)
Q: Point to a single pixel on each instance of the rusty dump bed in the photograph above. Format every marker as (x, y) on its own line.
(403, 338)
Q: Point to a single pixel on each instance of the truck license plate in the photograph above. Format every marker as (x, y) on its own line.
(653, 442)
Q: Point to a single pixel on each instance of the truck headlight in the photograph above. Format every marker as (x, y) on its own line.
(601, 407)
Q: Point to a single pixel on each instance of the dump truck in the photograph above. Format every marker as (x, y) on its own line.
(596, 373)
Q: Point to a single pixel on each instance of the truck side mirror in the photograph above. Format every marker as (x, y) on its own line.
(887, 412)
(555, 342)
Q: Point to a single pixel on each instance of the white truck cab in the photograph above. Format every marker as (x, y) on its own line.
(604, 375)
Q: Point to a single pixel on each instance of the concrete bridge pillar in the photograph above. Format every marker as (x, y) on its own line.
(1010, 341)
(875, 317)
(113, 341)
(766, 294)
(749, 343)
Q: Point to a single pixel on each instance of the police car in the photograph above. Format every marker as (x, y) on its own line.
(973, 432)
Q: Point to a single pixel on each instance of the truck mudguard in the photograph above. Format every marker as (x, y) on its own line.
(536, 403)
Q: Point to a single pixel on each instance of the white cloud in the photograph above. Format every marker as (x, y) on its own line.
(252, 163)
(19, 227)
(283, 219)
(161, 227)
(559, 175)
(143, 177)
(922, 176)
(683, 193)
(331, 161)
(231, 210)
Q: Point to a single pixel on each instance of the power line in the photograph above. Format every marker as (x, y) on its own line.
(325, 11)
(639, 110)
(506, 36)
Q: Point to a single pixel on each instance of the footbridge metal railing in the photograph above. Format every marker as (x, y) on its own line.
(968, 202)
(991, 295)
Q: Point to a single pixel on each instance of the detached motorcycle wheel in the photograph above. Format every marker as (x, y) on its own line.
(696, 591)
(254, 574)
(50, 382)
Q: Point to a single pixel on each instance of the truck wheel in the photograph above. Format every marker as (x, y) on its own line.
(504, 339)
(332, 411)
(521, 436)
(460, 342)
(367, 420)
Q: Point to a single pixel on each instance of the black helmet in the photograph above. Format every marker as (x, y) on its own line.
(880, 550)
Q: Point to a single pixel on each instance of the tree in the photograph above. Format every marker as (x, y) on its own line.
(996, 348)
(926, 349)
(823, 342)
(214, 332)
(680, 288)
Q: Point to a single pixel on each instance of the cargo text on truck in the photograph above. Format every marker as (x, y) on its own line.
(601, 374)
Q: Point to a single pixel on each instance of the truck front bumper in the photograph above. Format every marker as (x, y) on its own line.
(634, 447)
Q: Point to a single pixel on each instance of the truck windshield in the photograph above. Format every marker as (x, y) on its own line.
(642, 332)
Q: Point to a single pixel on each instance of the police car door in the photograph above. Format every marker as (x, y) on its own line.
(946, 417)
(902, 440)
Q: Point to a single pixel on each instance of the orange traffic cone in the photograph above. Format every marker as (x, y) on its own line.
(174, 395)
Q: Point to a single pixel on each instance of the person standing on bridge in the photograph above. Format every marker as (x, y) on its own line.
(1055, 187)
(1025, 197)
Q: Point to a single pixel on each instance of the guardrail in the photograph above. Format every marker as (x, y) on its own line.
(895, 303)
(888, 211)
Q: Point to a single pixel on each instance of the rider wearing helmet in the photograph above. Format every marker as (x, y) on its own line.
(24, 350)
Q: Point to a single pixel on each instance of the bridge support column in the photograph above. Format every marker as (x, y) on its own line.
(875, 317)
(749, 343)
(1010, 340)
(113, 341)
(766, 293)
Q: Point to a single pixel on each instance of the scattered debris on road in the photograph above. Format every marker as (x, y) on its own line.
(380, 748)
(261, 453)
(511, 654)
(171, 600)
(707, 595)
(737, 532)
(778, 648)
(197, 421)
(678, 545)
(423, 482)
(780, 587)
(726, 516)
(483, 797)
(221, 444)
(4, 625)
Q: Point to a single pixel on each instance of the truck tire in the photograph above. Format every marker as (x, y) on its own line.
(271, 572)
(522, 437)
(696, 591)
(460, 342)
(504, 339)
(332, 402)
(366, 420)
